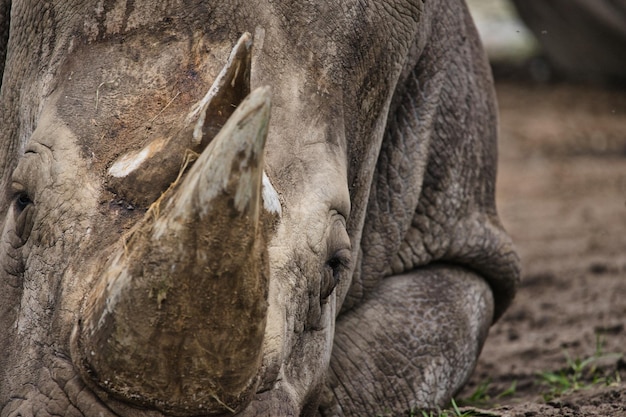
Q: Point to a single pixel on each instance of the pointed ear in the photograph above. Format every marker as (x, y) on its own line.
(230, 88)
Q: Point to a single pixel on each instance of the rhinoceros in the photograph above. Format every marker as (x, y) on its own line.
(245, 208)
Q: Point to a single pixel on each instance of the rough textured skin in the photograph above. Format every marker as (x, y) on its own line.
(5, 8)
(381, 148)
(583, 39)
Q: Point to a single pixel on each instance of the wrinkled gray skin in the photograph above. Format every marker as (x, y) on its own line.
(382, 153)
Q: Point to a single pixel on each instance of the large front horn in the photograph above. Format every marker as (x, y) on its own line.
(176, 321)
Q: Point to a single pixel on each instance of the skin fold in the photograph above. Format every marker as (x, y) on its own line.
(249, 208)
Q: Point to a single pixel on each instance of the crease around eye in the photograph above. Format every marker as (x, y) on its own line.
(22, 200)
(24, 216)
(341, 259)
(339, 262)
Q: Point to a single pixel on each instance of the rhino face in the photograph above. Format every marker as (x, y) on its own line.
(221, 287)
(181, 265)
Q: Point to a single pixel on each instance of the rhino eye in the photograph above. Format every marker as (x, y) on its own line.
(334, 268)
(24, 216)
(22, 201)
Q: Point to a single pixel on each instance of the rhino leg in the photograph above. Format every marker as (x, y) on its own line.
(424, 332)
(436, 266)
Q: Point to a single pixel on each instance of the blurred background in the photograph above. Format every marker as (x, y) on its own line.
(552, 40)
(561, 86)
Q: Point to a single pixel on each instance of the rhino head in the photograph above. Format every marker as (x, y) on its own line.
(164, 293)
(198, 224)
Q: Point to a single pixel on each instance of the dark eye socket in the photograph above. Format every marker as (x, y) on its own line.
(22, 200)
(334, 263)
(24, 217)
(339, 262)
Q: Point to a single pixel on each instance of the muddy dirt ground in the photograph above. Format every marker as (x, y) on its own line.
(562, 196)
